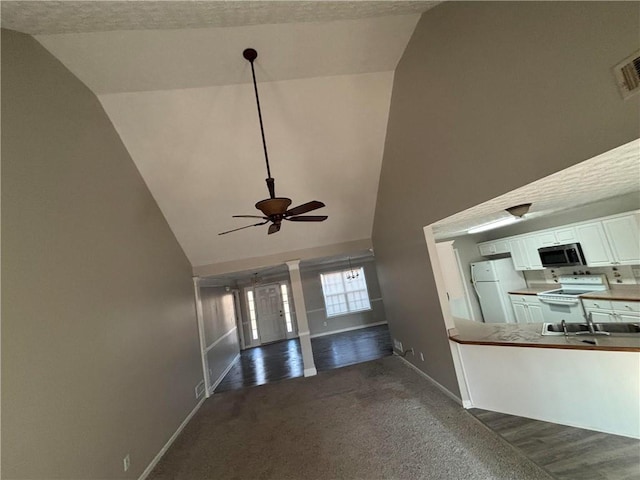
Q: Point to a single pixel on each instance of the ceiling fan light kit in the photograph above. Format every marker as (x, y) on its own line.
(274, 209)
(519, 210)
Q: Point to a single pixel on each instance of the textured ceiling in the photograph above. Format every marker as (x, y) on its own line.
(52, 17)
(610, 174)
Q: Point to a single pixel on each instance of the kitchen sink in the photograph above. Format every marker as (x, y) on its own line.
(573, 328)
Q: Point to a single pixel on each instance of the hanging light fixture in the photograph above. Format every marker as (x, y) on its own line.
(353, 274)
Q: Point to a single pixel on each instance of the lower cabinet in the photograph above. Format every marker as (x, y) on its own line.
(527, 308)
(605, 311)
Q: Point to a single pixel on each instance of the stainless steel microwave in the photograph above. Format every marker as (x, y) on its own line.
(562, 255)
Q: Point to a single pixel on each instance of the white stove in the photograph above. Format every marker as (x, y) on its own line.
(564, 303)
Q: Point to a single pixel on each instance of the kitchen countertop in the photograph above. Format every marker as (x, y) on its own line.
(615, 292)
(534, 290)
(529, 335)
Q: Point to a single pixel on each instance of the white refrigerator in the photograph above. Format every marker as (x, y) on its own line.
(492, 280)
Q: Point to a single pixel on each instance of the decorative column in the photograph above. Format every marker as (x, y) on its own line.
(301, 317)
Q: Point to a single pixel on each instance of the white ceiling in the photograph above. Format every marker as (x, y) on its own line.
(611, 174)
(146, 60)
(199, 151)
(51, 17)
(172, 79)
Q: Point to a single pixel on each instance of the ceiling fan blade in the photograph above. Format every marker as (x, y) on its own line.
(304, 208)
(242, 228)
(308, 218)
(273, 228)
(249, 216)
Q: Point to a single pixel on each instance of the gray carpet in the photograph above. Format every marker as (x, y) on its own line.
(374, 420)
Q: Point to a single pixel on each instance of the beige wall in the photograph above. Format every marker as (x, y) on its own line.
(100, 349)
(489, 96)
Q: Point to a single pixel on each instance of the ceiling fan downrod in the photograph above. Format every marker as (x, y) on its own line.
(251, 54)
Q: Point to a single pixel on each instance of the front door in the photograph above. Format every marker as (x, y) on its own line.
(269, 313)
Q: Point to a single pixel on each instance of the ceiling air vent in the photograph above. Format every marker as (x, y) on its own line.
(627, 74)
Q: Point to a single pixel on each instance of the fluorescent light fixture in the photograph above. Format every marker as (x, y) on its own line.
(495, 224)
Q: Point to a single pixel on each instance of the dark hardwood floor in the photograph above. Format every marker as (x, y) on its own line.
(348, 348)
(567, 453)
(282, 360)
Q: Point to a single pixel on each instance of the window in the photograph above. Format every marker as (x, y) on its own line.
(252, 315)
(343, 294)
(286, 308)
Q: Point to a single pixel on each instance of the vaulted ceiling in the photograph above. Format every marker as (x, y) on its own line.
(172, 79)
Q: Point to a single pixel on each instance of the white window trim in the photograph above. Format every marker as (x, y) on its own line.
(359, 269)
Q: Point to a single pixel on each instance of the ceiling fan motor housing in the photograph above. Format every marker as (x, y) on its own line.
(273, 206)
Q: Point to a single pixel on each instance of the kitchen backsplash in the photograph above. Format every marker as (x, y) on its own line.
(619, 275)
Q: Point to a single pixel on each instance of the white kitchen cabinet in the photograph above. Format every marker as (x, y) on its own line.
(594, 244)
(526, 308)
(625, 317)
(494, 247)
(623, 234)
(601, 317)
(524, 252)
(535, 312)
(560, 236)
(531, 245)
(603, 311)
(518, 255)
(520, 312)
(613, 241)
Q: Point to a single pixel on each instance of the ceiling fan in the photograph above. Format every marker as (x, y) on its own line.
(275, 209)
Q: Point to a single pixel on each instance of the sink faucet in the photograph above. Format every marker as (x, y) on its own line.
(592, 330)
(564, 327)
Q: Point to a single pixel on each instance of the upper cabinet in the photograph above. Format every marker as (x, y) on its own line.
(560, 236)
(494, 248)
(624, 237)
(524, 252)
(612, 241)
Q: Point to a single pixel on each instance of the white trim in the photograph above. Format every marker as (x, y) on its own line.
(371, 300)
(201, 335)
(310, 372)
(223, 374)
(166, 446)
(442, 388)
(220, 339)
(357, 327)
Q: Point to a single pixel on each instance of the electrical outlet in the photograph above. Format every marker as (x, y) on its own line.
(126, 462)
(397, 345)
(199, 389)
(325, 324)
(421, 356)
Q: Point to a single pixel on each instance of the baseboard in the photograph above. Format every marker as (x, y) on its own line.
(440, 387)
(310, 372)
(166, 446)
(222, 375)
(332, 332)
